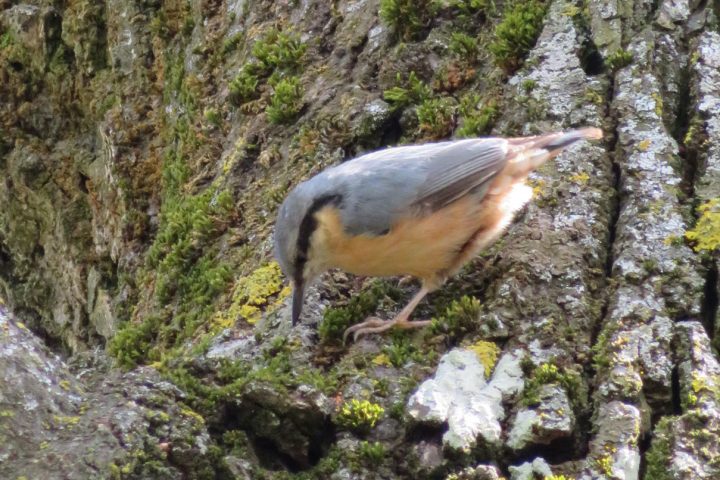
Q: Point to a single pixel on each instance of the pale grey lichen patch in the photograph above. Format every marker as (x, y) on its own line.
(613, 450)
(687, 446)
(705, 128)
(458, 394)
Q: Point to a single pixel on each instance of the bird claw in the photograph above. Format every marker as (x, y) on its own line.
(377, 325)
(368, 326)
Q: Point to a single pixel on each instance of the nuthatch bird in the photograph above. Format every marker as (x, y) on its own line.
(421, 210)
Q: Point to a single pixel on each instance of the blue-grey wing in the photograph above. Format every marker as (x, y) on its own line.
(382, 187)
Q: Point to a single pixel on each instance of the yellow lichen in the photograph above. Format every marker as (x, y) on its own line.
(604, 464)
(252, 294)
(706, 233)
(644, 145)
(487, 353)
(63, 420)
(193, 414)
(538, 187)
(382, 359)
(580, 178)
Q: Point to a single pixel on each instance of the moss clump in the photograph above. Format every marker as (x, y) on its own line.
(401, 350)
(252, 294)
(410, 92)
(706, 233)
(517, 33)
(182, 267)
(132, 342)
(278, 50)
(459, 319)
(276, 54)
(547, 374)
(407, 18)
(373, 453)
(619, 59)
(286, 102)
(336, 320)
(464, 46)
(359, 415)
(476, 116)
(487, 353)
(436, 118)
(657, 457)
(244, 87)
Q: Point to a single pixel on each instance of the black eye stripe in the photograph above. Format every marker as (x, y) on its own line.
(308, 226)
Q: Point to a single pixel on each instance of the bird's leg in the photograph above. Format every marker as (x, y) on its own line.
(376, 325)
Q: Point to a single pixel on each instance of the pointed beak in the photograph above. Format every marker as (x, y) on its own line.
(298, 297)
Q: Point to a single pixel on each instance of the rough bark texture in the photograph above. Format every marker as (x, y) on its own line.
(145, 147)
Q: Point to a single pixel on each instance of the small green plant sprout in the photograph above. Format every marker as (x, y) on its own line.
(619, 59)
(244, 87)
(212, 116)
(279, 51)
(476, 116)
(470, 7)
(705, 236)
(337, 319)
(286, 102)
(464, 46)
(459, 318)
(372, 453)
(407, 18)
(517, 33)
(359, 415)
(415, 91)
(436, 118)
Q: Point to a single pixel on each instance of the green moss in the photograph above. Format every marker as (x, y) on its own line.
(373, 453)
(230, 44)
(212, 116)
(464, 46)
(471, 7)
(618, 59)
(133, 341)
(278, 50)
(407, 18)
(359, 415)
(286, 101)
(401, 350)
(337, 319)
(657, 457)
(410, 92)
(547, 374)
(183, 269)
(435, 116)
(476, 116)
(706, 233)
(244, 87)
(517, 33)
(459, 319)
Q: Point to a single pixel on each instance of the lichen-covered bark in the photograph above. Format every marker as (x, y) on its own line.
(144, 149)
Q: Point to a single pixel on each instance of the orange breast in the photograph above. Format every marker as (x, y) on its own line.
(430, 247)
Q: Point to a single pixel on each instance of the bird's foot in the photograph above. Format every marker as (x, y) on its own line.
(377, 325)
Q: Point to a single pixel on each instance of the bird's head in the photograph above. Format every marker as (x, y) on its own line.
(294, 229)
